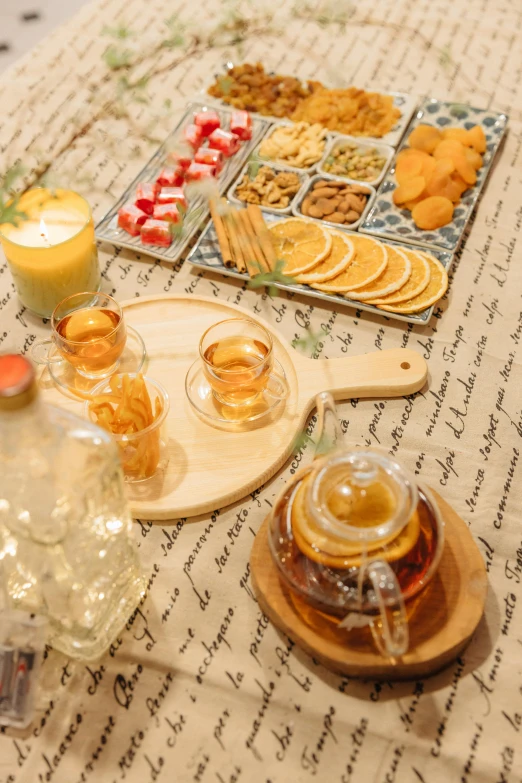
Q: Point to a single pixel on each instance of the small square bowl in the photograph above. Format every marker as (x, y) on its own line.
(307, 187)
(282, 163)
(383, 150)
(143, 453)
(303, 178)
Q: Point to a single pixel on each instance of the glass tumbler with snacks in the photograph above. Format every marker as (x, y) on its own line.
(134, 410)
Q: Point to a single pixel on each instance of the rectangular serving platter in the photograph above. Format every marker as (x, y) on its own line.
(405, 102)
(386, 221)
(206, 255)
(107, 229)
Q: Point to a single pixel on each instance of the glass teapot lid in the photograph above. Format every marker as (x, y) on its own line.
(360, 496)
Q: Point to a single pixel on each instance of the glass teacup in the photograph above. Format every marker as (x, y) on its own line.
(238, 362)
(88, 331)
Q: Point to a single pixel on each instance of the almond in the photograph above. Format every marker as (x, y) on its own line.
(324, 192)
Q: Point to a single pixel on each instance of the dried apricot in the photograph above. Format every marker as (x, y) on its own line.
(448, 148)
(444, 166)
(425, 138)
(438, 182)
(459, 134)
(459, 182)
(433, 212)
(409, 190)
(465, 169)
(413, 203)
(474, 158)
(428, 167)
(477, 139)
(409, 166)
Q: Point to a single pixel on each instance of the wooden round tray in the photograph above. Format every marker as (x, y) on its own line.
(442, 618)
(210, 468)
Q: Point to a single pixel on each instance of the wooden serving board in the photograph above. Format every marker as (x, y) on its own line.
(442, 618)
(210, 468)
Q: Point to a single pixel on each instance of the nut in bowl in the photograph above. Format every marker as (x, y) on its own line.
(134, 410)
(270, 187)
(338, 203)
(357, 160)
(298, 145)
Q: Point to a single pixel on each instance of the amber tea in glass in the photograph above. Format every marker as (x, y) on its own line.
(89, 332)
(237, 357)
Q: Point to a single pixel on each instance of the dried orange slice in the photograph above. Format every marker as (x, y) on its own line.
(301, 244)
(368, 263)
(432, 293)
(415, 285)
(335, 552)
(339, 257)
(396, 274)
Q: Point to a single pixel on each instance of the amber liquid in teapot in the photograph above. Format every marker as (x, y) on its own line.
(324, 565)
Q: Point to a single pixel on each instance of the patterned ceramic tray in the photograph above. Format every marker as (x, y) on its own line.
(387, 220)
(107, 229)
(206, 255)
(405, 102)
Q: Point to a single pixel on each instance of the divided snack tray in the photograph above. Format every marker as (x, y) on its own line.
(107, 229)
(385, 220)
(206, 255)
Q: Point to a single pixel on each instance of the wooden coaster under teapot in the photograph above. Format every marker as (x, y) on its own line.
(369, 573)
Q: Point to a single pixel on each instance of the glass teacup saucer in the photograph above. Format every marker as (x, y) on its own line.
(68, 378)
(264, 409)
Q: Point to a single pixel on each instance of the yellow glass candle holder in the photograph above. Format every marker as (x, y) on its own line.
(52, 254)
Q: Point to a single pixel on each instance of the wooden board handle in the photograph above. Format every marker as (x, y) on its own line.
(391, 373)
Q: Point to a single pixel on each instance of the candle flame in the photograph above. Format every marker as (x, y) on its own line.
(43, 230)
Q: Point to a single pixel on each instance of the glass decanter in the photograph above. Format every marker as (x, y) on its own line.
(66, 547)
(355, 537)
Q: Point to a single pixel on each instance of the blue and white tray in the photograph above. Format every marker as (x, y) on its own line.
(206, 255)
(387, 221)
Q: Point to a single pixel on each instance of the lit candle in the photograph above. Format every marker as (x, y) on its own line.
(52, 254)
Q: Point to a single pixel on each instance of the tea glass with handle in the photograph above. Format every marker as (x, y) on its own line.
(88, 331)
(355, 537)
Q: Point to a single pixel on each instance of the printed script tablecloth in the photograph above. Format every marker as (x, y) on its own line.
(199, 686)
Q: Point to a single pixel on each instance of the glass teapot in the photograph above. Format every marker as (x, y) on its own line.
(355, 537)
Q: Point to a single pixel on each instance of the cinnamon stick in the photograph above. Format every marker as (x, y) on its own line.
(231, 223)
(253, 256)
(224, 244)
(263, 234)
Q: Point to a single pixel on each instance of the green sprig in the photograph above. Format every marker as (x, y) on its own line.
(267, 279)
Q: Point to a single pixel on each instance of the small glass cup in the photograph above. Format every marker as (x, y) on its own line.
(88, 331)
(238, 360)
(143, 453)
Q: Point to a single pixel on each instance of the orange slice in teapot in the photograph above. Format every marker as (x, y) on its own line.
(335, 552)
